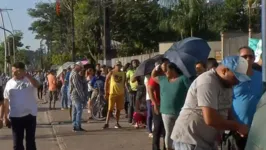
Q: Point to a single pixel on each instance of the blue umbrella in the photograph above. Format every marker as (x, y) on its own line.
(185, 62)
(193, 46)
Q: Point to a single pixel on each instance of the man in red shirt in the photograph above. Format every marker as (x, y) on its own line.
(154, 93)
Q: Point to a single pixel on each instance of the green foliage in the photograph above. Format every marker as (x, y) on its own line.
(59, 59)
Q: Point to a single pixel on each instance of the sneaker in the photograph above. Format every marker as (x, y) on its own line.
(117, 126)
(150, 135)
(106, 126)
(82, 130)
(74, 130)
(62, 108)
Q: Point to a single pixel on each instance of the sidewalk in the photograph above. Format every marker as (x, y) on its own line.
(96, 138)
(45, 139)
(54, 132)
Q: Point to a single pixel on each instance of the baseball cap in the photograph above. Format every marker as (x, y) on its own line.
(118, 63)
(79, 64)
(238, 66)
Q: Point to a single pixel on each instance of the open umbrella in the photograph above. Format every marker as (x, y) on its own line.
(185, 62)
(193, 46)
(67, 65)
(147, 66)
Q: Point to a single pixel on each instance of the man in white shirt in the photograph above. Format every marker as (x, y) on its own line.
(20, 103)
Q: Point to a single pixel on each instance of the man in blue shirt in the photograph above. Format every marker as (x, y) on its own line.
(247, 94)
(97, 83)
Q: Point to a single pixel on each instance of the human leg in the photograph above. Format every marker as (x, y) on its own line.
(169, 122)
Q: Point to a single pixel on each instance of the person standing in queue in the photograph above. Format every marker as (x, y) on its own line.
(21, 106)
(246, 96)
(132, 89)
(207, 110)
(114, 93)
(173, 90)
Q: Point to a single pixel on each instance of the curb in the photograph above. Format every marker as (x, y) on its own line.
(60, 141)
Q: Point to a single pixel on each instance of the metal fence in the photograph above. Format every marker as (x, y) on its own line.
(125, 60)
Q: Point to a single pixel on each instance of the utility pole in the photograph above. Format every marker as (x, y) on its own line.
(107, 36)
(5, 44)
(263, 32)
(73, 31)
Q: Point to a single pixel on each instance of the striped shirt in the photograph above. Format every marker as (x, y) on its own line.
(76, 87)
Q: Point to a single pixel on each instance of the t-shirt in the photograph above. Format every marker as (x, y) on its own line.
(22, 98)
(146, 80)
(156, 92)
(207, 90)
(52, 82)
(98, 82)
(117, 83)
(246, 97)
(130, 75)
(173, 94)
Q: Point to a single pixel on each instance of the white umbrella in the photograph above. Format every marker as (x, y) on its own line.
(64, 66)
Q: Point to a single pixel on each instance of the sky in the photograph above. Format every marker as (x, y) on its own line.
(20, 20)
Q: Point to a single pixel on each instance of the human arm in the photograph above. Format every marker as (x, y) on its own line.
(156, 73)
(107, 83)
(208, 101)
(32, 80)
(151, 90)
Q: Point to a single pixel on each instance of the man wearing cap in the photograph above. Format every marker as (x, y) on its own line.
(246, 96)
(207, 107)
(114, 92)
(77, 95)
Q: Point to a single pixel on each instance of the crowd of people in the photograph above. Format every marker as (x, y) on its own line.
(214, 108)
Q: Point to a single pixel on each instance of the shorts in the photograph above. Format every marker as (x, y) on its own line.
(89, 95)
(116, 100)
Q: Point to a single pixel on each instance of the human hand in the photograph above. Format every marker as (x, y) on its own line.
(7, 123)
(243, 130)
(156, 110)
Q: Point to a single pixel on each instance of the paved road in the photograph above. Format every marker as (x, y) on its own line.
(54, 132)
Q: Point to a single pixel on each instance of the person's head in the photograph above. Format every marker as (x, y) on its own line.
(78, 66)
(90, 72)
(104, 69)
(18, 70)
(98, 67)
(82, 73)
(200, 67)
(233, 70)
(248, 54)
(164, 64)
(109, 69)
(135, 63)
(126, 67)
(64, 71)
(172, 71)
(118, 66)
(212, 63)
(69, 69)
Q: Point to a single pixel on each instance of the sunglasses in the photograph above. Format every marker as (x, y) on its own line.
(248, 56)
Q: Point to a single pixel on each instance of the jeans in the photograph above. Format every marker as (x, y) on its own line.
(64, 97)
(158, 131)
(184, 146)
(131, 108)
(19, 124)
(169, 122)
(76, 114)
(149, 116)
